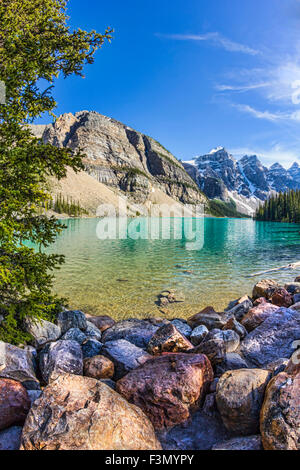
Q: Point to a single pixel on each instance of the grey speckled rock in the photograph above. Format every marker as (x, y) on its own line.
(62, 357)
(92, 332)
(71, 319)
(17, 364)
(74, 334)
(125, 356)
(182, 327)
(42, 331)
(10, 438)
(137, 332)
(91, 348)
(198, 335)
(34, 395)
(273, 339)
(232, 361)
(241, 443)
(241, 309)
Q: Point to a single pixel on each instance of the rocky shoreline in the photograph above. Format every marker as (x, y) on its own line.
(219, 380)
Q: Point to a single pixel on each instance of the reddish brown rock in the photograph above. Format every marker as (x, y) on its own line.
(102, 322)
(14, 403)
(280, 414)
(209, 318)
(261, 300)
(167, 388)
(282, 298)
(80, 413)
(293, 366)
(168, 339)
(257, 315)
(265, 288)
(98, 367)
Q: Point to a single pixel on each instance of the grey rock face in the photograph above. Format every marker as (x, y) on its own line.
(42, 331)
(232, 361)
(10, 439)
(125, 356)
(182, 327)
(119, 156)
(92, 332)
(17, 364)
(74, 334)
(34, 395)
(198, 334)
(241, 309)
(62, 357)
(71, 319)
(91, 348)
(137, 332)
(273, 339)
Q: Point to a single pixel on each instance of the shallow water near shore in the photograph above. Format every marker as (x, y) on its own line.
(123, 278)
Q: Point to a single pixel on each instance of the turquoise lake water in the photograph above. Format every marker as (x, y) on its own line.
(123, 278)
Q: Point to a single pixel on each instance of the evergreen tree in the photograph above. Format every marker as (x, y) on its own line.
(36, 46)
(283, 207)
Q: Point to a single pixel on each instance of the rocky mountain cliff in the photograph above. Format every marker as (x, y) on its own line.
(247, 182)
(122, 158)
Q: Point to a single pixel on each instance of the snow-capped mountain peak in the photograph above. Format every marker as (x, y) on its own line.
(247, 181)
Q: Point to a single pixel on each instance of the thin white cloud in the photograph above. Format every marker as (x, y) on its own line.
(242, 88)
(267, 115)
(259, 114)
(216, 39)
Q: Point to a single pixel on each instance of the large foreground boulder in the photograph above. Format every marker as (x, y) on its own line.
(168, 339)
(168, 387)
(137, 332)
(59, 358)
(80, 413)
(240, 395)
(273, 339)
(125, 356)
(14, 403)
(280, 414)
(17, 364)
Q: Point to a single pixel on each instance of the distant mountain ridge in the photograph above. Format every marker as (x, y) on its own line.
(246, 181)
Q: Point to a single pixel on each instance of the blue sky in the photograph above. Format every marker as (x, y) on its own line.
(195, 74)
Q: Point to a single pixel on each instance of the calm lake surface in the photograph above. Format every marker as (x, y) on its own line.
(123, 278)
